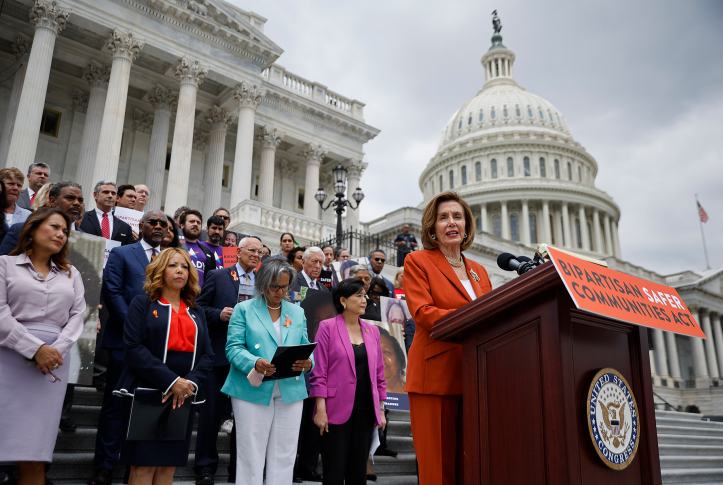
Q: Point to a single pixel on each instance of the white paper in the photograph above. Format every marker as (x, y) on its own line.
(109, 245)
(375, 442)
(131, 217)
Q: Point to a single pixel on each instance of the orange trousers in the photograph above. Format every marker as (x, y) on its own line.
(437, 435)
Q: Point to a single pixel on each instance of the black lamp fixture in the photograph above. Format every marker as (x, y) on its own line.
(339, 201)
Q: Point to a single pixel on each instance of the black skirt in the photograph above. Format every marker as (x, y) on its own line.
(159, 453)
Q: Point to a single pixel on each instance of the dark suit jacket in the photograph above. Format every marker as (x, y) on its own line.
(122, 232)
(300, 281)
(24, 200)
(123, 278)
(11, 238)
(220, 290)
(145, 343)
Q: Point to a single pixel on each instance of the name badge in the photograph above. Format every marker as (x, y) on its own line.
(245, 292)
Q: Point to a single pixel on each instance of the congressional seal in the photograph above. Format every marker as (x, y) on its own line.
(612, 418)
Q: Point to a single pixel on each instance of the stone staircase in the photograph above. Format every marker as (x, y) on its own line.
(73, 457)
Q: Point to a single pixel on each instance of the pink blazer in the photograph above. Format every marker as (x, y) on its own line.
(334, 374)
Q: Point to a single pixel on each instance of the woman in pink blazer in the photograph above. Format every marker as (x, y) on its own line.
(349, 387)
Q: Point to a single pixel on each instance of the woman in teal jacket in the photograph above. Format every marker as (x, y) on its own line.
(268, 415)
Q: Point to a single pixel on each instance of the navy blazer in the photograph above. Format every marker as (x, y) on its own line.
(145, 346)
(220, 290)
(123, 278)
(12, 236)
(122, 232)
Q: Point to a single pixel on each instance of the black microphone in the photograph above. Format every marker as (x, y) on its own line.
(509, 262)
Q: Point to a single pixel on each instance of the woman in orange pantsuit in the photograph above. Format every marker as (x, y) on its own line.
(439, 280)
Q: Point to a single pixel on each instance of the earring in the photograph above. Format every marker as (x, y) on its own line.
(465, 235)
(434, 236)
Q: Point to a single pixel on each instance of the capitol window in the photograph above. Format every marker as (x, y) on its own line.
(542, 117)
(481, 116)
(558, 119)
(529, 112)
(533, 229)
(551, 120)
(492, 114)
(510, 167)
(579, 233)
(50, 123)
(526, 162)
(517, 111)
(569, 171)
(464, 175)
(451, 180)
(543, 172)
(493, 168)
(460, 124)
(441, 183)
(504, 112)
(477, 172)
(478, 223)
(469, 121)
(557, 169)
(579, 175)
(514, 228)
(497, 225)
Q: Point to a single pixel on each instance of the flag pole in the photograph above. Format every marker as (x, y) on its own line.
(702, 234)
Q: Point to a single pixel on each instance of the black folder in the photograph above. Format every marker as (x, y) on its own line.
(285, 357)
(154, 420)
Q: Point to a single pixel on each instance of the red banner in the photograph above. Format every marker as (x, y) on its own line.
(600, 290)
(230, 257)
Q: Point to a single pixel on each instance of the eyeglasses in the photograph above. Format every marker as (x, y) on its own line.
(277, 287)
(374, 294)
(157, 222)
(380, 259)
(51, 377)
(225, 218)
(260, 252)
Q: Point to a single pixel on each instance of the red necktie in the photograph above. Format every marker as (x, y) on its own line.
(105, 226)
(33, 198)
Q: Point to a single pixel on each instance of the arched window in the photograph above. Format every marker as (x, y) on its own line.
(478, 172)
(552, 230)
(451, 180)
(589, 236)
(526, 163)
(464, 175)
(505, 113)
(533, 229)
(469, 120)
(441, 183)
(557, 169)
(493, 168)
(579, 174)
(569, 171)
(529, 112)
(497, 225)
(542, 117)
(517, 111)
(481, 116)
(460, 125)
(478, 223)
(551, 120)
(578, 232)
(492, 114)
(514, 228)
(543, 171)
(558, 119)
(510, 167)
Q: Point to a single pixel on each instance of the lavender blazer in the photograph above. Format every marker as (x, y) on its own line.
(334, 374)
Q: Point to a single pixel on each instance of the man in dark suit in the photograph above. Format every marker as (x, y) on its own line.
(219, 295)
(38, 175)
(312, 262)
(377, 258)
(123, 278)
(101, 221)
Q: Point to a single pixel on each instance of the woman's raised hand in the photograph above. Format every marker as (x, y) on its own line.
(180, 390)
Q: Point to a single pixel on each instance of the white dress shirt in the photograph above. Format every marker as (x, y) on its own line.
(149, 249)
(100, 213)
(31, 192)
(313, 284)
(251, 275)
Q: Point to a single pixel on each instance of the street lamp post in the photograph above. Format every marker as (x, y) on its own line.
(339, 201)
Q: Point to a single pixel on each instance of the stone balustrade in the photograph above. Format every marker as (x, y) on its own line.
(274, 221)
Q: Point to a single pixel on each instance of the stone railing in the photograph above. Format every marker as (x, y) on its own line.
(271, 219)
(280, 77)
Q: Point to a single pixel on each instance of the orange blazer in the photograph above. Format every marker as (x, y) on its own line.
(432, 290)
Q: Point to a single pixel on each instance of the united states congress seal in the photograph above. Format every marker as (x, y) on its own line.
(612, 418)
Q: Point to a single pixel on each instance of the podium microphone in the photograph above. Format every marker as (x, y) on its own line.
(509, 262)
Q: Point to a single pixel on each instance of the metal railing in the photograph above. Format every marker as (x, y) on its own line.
(667, 404)
(361, 244)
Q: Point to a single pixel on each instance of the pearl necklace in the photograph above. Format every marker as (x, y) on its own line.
(454, 263)
(272, 308)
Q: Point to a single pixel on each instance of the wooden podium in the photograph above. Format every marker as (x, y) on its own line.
(529, 359)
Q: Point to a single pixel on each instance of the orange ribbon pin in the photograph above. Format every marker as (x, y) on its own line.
(287, 322)
(155, 313)
(233, 274)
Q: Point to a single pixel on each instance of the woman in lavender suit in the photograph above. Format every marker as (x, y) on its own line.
(42, 306)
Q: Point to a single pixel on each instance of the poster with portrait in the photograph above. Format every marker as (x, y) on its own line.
(395, 315)
(342, 267)
(317, 305)
(87, 255)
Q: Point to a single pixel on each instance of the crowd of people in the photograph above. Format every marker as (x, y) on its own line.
(171, 318)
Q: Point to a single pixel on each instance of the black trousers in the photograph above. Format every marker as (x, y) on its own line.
(309, 440)
(110, 422)
(345, 449)
(209, 420)
(68, 401)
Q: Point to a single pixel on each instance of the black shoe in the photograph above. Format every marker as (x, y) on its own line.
(103, 476)
(66, 424)
(7, 479)
(385, 452)
(231, 475)
(298, 479)
(372, 477)
(310, 477)
(205, 477)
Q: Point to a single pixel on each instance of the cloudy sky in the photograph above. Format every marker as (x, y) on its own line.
(640, 83)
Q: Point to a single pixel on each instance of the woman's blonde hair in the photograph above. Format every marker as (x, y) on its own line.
(154, 277)
(429, 218)
(41, 197)
(400, 270)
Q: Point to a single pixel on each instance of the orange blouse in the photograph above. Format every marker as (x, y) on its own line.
(182, 334)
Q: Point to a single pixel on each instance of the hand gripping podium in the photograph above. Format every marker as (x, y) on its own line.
(529, 359)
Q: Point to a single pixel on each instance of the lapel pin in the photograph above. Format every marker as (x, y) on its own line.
(233, 274)
(474, 275)
(287, 322)
(155, 313)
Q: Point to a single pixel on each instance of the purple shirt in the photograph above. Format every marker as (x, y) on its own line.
(57, 300)
(198, 258)
(217, 252)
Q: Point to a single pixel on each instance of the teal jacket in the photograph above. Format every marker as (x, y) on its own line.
(251, 336)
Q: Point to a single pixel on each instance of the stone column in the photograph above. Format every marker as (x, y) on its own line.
(504, 220)
(80, 108)
(653, 367)
(596, 231)
(661, 356)
(313, 154)
(709, 344)
(220, 120)
(97, 77)
(125, 50)
(608, 234)
(248, 98)
(525, 226)
(616, 240)
(673, 361)
(557, 227)
(48, 20)
(138, 147)
(583, 228)
(483, 216)
(355, 168)
(21, 50)
(567, 234)
(190, 74)
(269, 138)
(546, 229)
(700, 366)
(164, 101)
(717, 324)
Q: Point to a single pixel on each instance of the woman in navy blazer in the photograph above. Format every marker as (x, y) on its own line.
(349, 387)
(166, 347)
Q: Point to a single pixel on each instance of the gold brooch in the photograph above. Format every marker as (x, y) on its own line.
(474, 275)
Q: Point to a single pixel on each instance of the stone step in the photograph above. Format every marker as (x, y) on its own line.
(677, 415)
(403, 463)
(713, 431)
(688, 423)
(690, 461)
(399, 428)
(88, 396)
(676, 449)
(83, 440)
(400, 444)
(685, 440)
(397, 415)
(686, 475)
